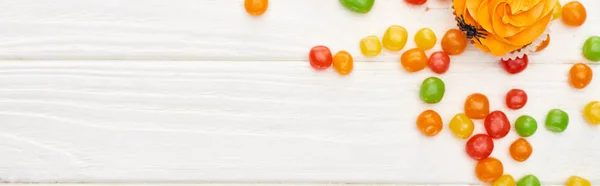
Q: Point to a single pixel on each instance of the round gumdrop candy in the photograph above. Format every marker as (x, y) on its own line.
(516, 99)
(574, 13)
(591, 113)
(520, 150)
(496, 124)
(480, 146)
(370, 46)
(477, 106)
(425, 39)
(439, 62)
(413, 60)
(489, 169)
(525, 126)
(395, 38)
(320, 57)
(557, 120)
(514, 66)
(505, 180)
(432, 90)
(416, 2)
(256, 7)
(577, 181)
(343, 63)
(359, 6)
(454, 42)
(591, 48)
(529, 180)
(557, 11)
(429, 123)
(580, 75)
(461, 126)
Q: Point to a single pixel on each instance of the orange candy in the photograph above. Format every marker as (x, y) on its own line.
(544, 44)
(454, 42)
(580, 75)
(489, 169)
(477, 106)
(520, 150)
(256, 7)
(574, 14)
(343, 63)
(429, 123)
(414, 60)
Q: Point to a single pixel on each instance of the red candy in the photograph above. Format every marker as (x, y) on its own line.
(497, 124)
(320, 57)
(439, 62)
(416, 2)
(513, 66)
(516, 99)
(480, 146)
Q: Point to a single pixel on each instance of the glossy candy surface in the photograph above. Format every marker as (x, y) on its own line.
(414, 60)
(395, 38)
(439, 62)
(591, 113)
(416, 2)
(343, 63)
(514, 66)
(477, 106)
(320, 57)
(454, 42)
(256, 7)
(496, 124)
(591, 48)
(461, 126)
(432, 90)
(489, 169)
(529, 180)
(359, 6)
(544, 44)
(425, 39)
(429, 123)
(525, 126)
(557, 11)
(557, 120)
(516, 99)
(574, 13)
(480, 146)
(577, 181)
(505, 180)
(370, 46)
(580, 75)
(520, 150)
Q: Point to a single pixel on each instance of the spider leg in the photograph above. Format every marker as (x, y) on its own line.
(478, 40)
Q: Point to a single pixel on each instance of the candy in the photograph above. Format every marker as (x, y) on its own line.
(557, 120)
(370, 46)
(320, 57)
(359, 6)
(577, 181)
(557, 11)
(432, 90)
(525, 126)
(343, 63)
(520, 150)
(529, 180)
(496, 124)
(256, 7)
(454, 42)
(574, 13)
(544, 44)
(516, 99)
(439, 62)
(477, 106)
(505, 180)
(429, 123)
(580, 75)
(489, 169)
(395, 38)
(480, 146)
(414, 60)
(425, 39)
(591, 48)
(514, 66)
(416, 2)
(591, 112)
(461, 126)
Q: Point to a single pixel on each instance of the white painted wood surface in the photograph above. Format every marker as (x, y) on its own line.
(248, 108)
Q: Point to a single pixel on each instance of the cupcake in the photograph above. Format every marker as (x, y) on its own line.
(504, 28)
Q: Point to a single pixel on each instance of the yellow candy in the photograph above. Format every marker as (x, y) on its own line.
(425, 39)
(395, 38)
(591, 112)
(505, 180)
(370, 46)
(577, 181)
(557, 11)
(461, 126)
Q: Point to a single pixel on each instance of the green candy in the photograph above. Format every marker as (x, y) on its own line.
(529, 180)
(525, 126)
(591, 48)
(432, 90)
(557, 120)
(360, 6)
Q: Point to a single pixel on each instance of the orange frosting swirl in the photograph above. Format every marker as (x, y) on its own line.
(510, 24)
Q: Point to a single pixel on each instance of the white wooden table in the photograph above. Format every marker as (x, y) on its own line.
(192, 91)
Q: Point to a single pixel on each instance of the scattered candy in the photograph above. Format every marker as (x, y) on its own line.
(359, 6)
(529, 180)
(580, 75)
(477, 106)
(574, 13)
(439, 62)
(489, 169)
(525, 126)
(557, 120)
(557, 11)
(505, 180)
(395, 38)
(432, 90)
(520, 150)
(496, 124)
(425, 39)
(461, 126)
(516, 99)
(429, 123)
(577, 181)
(480, 146)
(454, 42)
(343, 63)
(514, 66)
(544, 44)
(591, 48)
(320, 57)
(370, 46)
(416, 2)
(256, 7)
(414, 60)
(591, 113)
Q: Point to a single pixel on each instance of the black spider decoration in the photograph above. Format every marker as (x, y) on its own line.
(470, 30)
